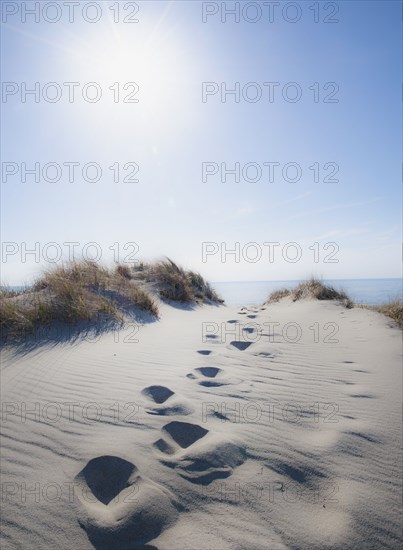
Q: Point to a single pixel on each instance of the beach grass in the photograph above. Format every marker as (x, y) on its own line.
(312, 288)
(172, 282)
(392, 309)
(86, 291)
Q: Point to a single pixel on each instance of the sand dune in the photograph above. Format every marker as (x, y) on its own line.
(277, 427)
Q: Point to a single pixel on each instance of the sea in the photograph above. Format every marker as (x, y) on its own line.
(361, 291)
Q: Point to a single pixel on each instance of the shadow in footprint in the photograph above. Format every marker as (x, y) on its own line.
(251, 316)
(239, 345)
(204, 351)
(184, 433)
(232, 321)
(210, 372)
(177, 409)
(212, 383)
(159, 394)
(164, 447)
(107, 476)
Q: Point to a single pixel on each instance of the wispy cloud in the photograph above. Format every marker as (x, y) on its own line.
(332, 208)
(341, 233)
(297, 198)
(246, 211)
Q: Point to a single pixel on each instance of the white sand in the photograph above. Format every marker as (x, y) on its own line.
(279, 445)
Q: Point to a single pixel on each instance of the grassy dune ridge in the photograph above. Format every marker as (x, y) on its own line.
(314, 288)
(86, 291)
(311, 289)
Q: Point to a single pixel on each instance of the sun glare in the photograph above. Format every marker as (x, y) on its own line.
(149, 74)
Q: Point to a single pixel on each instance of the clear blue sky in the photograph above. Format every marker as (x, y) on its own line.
(170, 132)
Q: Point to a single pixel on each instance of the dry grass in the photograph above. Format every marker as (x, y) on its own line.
(124, 271)
(202, 289)
(22, 314)
(79, 291)
(311, 289)
(172, 282)
(86, 291)
(392, 309)
(278, 295)
(316, 289)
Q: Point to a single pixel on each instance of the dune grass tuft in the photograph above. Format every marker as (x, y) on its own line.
(311, 289)
(392, 309)
(202, 289)
(172, 282)
(124, 271)
(278, 295)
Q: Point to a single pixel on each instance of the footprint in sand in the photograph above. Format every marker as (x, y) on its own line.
(204, 351)
(206, 377)
(239, 345)
(185, 433)
(212, 383)
(161, 394)
(265, 354)
(181, 434)
(210, 458)
(210, 372)
(118, 507)
(249, 330)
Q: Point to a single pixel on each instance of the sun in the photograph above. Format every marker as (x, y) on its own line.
(146, 70)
